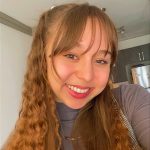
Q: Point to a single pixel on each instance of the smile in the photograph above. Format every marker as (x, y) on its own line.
(78, 90)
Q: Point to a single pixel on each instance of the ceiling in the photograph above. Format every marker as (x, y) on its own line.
(134, 15)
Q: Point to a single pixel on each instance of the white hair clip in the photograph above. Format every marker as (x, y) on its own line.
(52, 7)
(103, 9)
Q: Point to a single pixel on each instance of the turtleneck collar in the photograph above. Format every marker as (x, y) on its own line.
(66, 113)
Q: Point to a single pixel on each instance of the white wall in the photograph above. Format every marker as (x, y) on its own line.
(141, 40)
(0, 82)
(14, 46)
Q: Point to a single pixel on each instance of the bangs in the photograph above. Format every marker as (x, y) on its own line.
(110, 35)
(72, 27)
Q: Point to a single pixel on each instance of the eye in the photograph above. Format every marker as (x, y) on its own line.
(99, 61)
(71, 56)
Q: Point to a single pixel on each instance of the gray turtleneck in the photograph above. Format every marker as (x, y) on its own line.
(135, 104)
(67, 117)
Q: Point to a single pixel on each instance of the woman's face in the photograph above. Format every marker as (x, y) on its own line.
(82, 76)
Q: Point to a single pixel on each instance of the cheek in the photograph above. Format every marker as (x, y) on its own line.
(102, 76)
(63, 69)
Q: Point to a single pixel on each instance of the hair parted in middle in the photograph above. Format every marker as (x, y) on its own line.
(98, 122)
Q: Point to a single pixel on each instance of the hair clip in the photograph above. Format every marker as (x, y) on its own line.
(103, 9)
(53, 6)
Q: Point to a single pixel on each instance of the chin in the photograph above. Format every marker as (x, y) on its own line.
(76, 106)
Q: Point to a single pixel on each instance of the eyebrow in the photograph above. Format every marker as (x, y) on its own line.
(106, 52)
(100, 51)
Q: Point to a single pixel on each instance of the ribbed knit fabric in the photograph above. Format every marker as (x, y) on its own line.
(134, 102)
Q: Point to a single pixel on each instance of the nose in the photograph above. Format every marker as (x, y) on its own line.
(85, 72)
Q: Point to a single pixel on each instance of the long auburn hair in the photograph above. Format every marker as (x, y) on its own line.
(98, 123)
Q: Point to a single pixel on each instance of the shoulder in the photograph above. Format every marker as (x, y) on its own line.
(135, 103)
(129, 89)
(131, 97)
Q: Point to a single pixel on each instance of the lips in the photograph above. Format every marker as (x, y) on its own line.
(78, 91)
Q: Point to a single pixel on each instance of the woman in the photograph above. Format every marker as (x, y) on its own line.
(67, 99)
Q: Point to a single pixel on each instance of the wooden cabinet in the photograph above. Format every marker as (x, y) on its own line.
(127, 58)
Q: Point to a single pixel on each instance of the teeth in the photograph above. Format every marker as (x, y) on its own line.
(77, 89)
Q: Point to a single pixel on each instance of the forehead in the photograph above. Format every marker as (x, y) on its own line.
(91, 34)
(94, 36)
